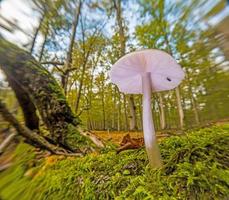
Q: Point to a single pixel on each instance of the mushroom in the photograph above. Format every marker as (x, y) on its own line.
(142, 72)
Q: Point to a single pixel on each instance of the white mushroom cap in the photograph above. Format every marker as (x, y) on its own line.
(127, 72)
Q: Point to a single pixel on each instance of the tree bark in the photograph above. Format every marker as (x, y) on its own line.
(125, 114)
(133, 124)
(43, 44)
(180, 109)
(162, 111)
(103, 109)
(118, 8)
(44, 91)
(193, 101)
(178, 97)
(28, 108)
(28, 134)
(36, 32)
(80, 88)
(114, 109)
(65, 76)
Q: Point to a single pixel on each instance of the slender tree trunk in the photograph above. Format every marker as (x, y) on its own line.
(43, 44)
(36, 32)
(180, 109)
(178, 97)
(103, 109)
(140, 112)
(80, 89)
(133, 123)
(125, 113)
(81, 80)
(118, 120)
(114, 109)
(119, 112)
(70, 48)
(162, 111)
(194, 105)
(193, 102)
(119, 19)
(195, 109)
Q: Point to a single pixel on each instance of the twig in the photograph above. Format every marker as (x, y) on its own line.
(52, 63)
(6, 142)
(4, 167)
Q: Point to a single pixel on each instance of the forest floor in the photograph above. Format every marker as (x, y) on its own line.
(195, 167)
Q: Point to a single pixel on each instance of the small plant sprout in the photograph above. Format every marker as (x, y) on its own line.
(144, 72)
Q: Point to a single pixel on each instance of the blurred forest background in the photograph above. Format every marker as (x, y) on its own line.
(78, 41)
(63, 121)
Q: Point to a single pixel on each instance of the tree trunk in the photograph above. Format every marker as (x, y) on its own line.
(44, 91)
(193, 100)
(36, 32)
(118, 8)
(178, 98)
(133, 124)
(195, 109)
(119, 113)
(43, 44)
(125, 113)
(162, 111)
(70, 48)
(104, 115)
(114, 109)
(28, 108)
(78, 96)
(140, 112)
(180, 109)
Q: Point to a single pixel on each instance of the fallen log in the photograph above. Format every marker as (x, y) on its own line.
(32, 136)
(44, 95)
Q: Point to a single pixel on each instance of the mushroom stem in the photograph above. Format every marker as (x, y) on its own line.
(152, 148)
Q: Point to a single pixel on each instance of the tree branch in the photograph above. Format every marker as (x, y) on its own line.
(52, 63)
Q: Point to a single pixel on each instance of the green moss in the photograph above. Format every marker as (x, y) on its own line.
(195, 167)
(57, 91)
(75, 139)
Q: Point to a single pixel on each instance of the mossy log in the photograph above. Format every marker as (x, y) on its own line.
(30, 135)
(43, 91)
(28, 108)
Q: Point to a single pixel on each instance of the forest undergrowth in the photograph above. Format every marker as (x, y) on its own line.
(195, 167)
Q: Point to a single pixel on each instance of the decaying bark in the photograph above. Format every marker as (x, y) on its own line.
(28, 108)
(43, 90)
(28, 134)
(130, 143)
(93, 138)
